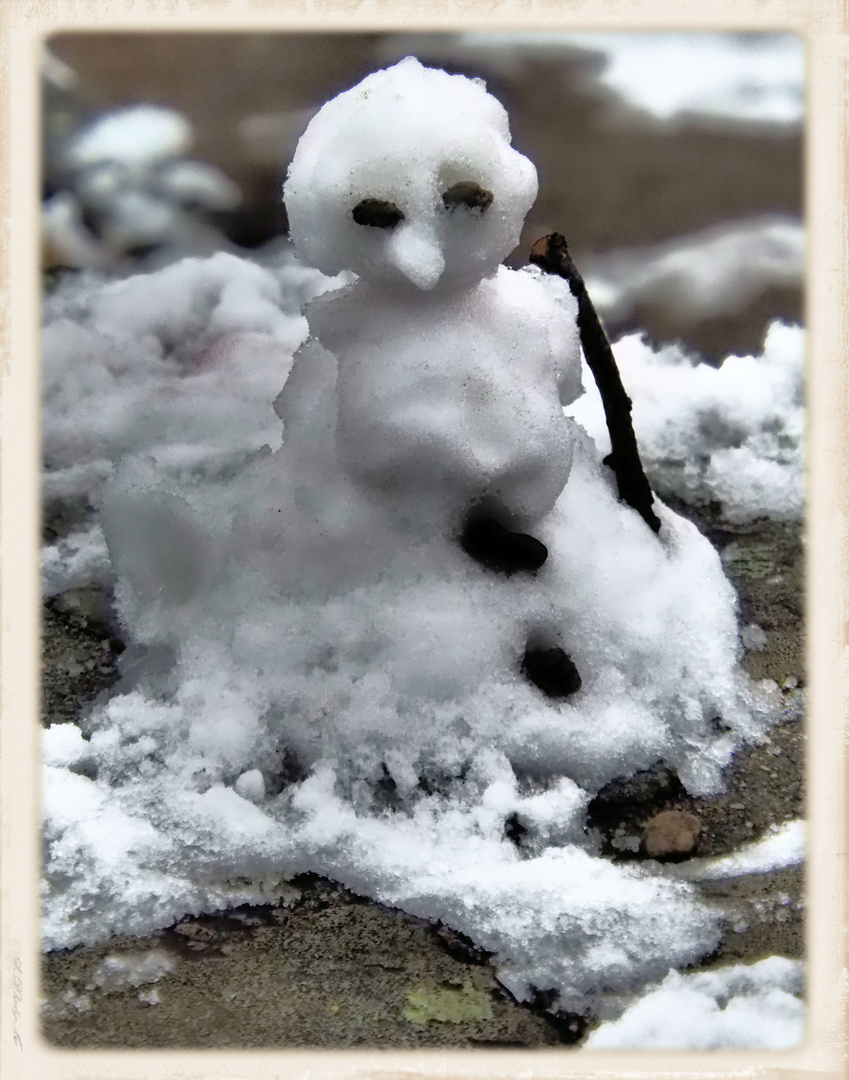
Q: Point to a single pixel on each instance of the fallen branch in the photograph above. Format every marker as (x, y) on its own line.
(552, 255)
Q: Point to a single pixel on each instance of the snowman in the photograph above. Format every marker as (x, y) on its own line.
(445, 372)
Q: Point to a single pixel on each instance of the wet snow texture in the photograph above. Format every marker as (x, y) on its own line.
(330, 687)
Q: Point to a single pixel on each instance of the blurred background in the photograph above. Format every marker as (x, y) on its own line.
(671, 162)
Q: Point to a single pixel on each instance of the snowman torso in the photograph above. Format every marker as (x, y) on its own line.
(457, 392)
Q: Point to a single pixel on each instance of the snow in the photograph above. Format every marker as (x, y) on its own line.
(712, 272)
(732, 434)
(753, 1007)
(324, 679)
(783, 846)
(752, 77)
(126, 173)
(138, 135)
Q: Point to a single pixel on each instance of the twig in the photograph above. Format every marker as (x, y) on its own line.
(552, 255)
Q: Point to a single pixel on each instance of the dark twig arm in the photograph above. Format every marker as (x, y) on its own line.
(552, 255)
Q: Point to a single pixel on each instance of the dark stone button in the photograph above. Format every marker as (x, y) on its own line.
(551, 671)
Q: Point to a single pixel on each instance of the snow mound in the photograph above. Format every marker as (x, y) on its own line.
(381, 702)
(753, 1007)
(180, 365)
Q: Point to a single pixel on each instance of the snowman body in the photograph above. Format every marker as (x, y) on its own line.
(454, 397)
(451, 370)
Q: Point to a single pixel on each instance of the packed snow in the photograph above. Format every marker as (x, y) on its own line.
(324, 678)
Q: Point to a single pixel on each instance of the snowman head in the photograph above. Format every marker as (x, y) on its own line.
(409, 178)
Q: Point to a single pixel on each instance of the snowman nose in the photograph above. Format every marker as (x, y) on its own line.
(415, 250)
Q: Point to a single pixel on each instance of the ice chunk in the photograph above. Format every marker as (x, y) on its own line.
(121, 970)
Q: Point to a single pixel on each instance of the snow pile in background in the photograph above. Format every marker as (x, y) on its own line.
(749, 77)
(127, 185)
(756, 1006)
(140, 135)
(713, 272)
(732, 434)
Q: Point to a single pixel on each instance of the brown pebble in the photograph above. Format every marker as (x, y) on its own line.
(671, 834)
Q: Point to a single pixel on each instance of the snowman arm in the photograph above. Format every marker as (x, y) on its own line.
(551, 254)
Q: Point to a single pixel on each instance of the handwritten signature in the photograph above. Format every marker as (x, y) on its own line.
(17, 999)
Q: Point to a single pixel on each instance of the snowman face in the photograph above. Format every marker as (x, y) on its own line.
(409, 179)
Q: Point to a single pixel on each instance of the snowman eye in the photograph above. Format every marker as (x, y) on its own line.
(468, 193)
(378, 213)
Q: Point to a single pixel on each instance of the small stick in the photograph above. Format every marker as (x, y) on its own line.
(552, 255)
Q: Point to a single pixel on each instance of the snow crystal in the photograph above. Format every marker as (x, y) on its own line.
(754, 1006)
